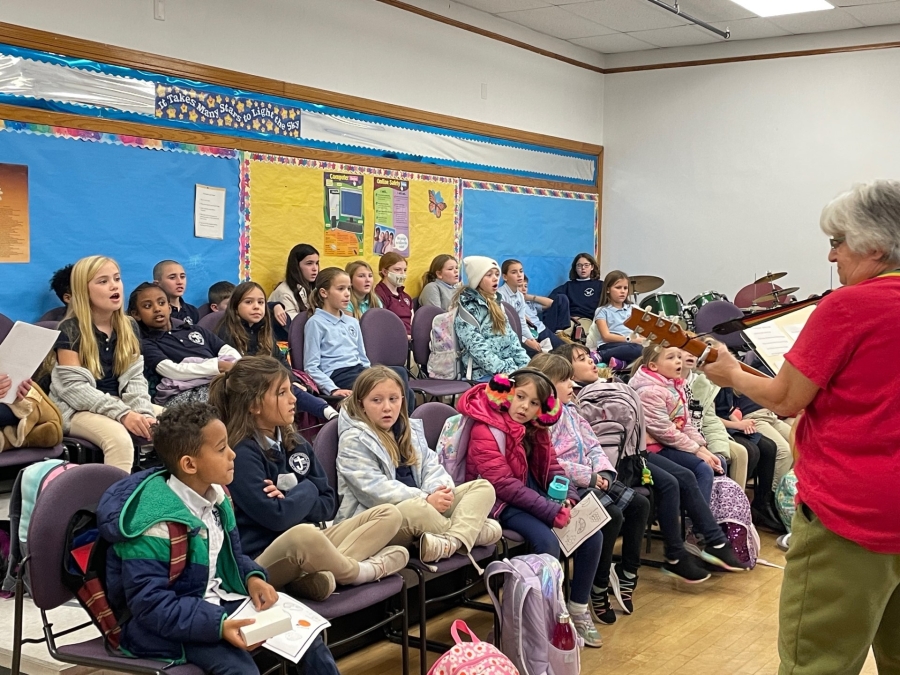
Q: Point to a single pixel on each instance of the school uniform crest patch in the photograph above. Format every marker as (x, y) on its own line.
(588, 292)
(196, 337)
(299, 463)
(352, 331)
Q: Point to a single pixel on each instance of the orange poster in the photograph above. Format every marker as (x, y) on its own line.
(15, 237)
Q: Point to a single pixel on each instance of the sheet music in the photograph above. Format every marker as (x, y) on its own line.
(775, 338)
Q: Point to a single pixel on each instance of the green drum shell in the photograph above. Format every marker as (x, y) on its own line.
(665, 304)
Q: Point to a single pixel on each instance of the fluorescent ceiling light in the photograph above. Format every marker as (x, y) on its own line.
(779, 7)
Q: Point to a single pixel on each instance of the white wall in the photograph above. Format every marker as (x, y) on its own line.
(358, 47)
(715, 174)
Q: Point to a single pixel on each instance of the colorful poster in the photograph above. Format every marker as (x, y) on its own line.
(391, 217)
(344, 222)
(226, 112)
(15, 233)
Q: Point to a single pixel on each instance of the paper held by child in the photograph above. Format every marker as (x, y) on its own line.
(305, 626)
(23, 350)
(588, 516)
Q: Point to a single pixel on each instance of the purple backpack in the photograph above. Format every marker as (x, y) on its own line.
(453, 445)
(731, 509)
(527, 610)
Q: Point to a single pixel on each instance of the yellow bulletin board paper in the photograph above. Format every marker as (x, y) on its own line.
(15, 235)
(284, 196)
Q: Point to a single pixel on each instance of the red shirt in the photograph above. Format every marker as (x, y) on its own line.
(400, 304)
(848, 442)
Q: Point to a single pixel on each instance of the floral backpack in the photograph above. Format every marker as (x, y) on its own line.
(472, 658)
(731, 509)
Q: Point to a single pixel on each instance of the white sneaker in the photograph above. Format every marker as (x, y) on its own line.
(491, 532)
(434, 547)
(389, 560)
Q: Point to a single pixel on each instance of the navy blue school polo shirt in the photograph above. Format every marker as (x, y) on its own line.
(70, 338)
(186, 313)
(178, 344)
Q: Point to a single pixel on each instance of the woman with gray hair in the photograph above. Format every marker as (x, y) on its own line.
(841, 590)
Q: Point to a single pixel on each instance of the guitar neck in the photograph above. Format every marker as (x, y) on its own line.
(713, 355)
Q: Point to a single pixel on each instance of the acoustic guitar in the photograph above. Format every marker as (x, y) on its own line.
(665, 333)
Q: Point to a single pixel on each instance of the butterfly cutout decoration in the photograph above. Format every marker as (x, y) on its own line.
(436, 203)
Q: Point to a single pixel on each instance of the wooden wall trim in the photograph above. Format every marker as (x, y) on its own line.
(754, 57)
(105, 53)
(73, 121)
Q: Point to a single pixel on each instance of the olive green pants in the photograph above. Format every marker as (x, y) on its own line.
(837, 600)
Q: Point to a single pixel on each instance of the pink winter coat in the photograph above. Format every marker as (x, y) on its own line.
(667, 413)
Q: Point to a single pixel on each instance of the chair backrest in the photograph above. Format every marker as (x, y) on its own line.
(6, 325)
(433, 416)
(76, 489)
(716, 312)
(385, 337)
(47, 324)
(513, 318)
(204, 309)
(421, 333)
(56, 314)
(295, 340)
(326, 446)
(211, 321)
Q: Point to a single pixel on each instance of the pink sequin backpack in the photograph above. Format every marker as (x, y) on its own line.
(731, 509)
(472, 658)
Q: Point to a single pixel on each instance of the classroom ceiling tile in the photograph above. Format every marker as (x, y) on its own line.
(751, 29)
(613, 44)
(876, 15)
(625, 15)
(853, 3)
(816, 22)
(715, 10)
(557, 22)
(497, 6)
(679, 36)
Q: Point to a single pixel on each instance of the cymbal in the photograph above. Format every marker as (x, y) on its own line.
(645, 283)
(777, 296)
(770, 277)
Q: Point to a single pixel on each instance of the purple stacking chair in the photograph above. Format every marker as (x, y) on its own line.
(210, 321)
(513, 318)
(56, 314)
(433, 416)
(295, 340)
(22, 457)
(349, 599)
(52, 325)
(76, 489)
(387, 336)
(716, 312)
(6, 325)
(204, 309)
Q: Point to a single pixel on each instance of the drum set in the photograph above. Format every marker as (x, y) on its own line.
(762, 294)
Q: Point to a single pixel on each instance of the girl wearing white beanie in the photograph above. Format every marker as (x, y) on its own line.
(482, 330)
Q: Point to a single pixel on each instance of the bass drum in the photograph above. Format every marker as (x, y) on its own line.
(664, 304)
(704, 298)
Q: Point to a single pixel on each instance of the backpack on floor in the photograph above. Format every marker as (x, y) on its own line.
(786, 498)
(444, 359)
(452, 445)
(84, 571)
(527, 610)
(731, 509)
(471, 658)
(616, 416)
(28, 486)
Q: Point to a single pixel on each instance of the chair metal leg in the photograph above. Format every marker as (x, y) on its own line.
(17, 622)
(423, 624)
(404, 628)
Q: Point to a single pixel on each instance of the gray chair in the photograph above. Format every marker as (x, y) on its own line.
(513, 317)
(6, 325)
(716, 312)
(421, 350)
(210, 320)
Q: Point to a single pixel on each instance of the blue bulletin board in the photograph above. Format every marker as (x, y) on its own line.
(130, 199)
(544, 229)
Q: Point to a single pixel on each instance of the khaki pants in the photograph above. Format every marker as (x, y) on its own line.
(737, 464)
(472, 502)
(837, 600)
(107, 434)
(779, 432)
(304, 549)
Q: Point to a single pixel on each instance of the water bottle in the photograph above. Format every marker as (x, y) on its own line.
(558, 490)
(563, 634)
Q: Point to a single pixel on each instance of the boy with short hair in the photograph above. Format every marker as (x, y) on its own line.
(61, 285)
(218, 295)
(169, 275)
(186, 619)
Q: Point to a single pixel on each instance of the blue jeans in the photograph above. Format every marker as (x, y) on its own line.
(676, 487)
(586, 557)
(701, 470)
(556, 316)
